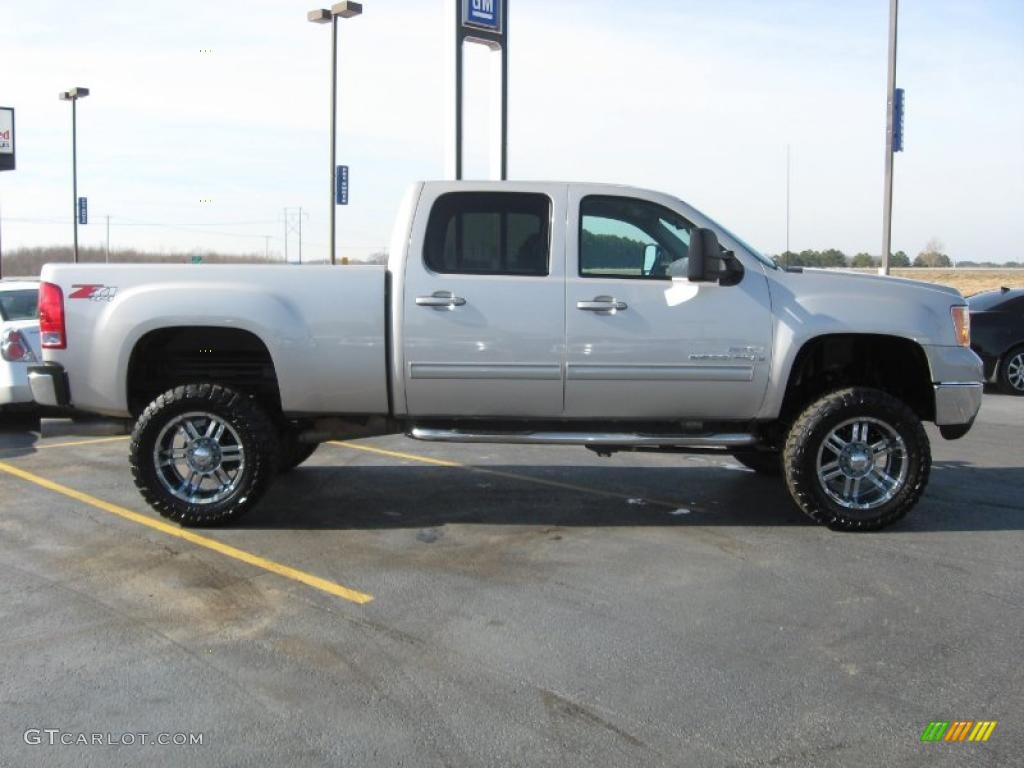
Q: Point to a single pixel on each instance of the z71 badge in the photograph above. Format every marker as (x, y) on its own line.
(93, 292)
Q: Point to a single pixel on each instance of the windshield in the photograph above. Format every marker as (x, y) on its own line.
(19, 305)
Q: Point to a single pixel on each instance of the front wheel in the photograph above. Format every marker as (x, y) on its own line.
(203, 454)
(857, 460)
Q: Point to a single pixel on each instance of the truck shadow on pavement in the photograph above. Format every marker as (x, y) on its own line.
(18, 436)
(959, 498)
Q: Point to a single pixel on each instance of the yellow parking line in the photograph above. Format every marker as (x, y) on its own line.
(499, 473)
(227, 550)
(73, 443)
(399, 454)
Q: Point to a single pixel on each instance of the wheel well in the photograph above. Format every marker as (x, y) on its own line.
(889, 363)
(168, 357)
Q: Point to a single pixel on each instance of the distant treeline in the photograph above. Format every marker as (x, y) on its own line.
(931, 257)
(604, 251)
(26, 262)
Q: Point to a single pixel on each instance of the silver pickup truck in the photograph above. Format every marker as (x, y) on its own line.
(613, 318)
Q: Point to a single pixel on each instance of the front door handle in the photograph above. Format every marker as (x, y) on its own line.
(440, 300)
(602, 304)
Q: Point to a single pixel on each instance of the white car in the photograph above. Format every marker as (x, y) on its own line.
(19, 342)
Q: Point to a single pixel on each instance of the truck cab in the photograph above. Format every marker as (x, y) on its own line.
(572, 302)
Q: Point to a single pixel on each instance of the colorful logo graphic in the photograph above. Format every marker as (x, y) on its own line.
(959, 730)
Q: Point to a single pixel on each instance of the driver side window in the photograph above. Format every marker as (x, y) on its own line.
(624, 237)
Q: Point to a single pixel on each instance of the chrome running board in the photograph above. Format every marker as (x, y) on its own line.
(604, 439)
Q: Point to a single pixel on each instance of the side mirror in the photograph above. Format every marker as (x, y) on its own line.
(705, 256)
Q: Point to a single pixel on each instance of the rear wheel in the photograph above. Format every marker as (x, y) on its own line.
(203, 454)
(1011, 372)
(857, 460)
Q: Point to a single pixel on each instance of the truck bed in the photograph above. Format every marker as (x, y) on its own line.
(324, 327)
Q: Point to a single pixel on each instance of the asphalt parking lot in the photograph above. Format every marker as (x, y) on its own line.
(401, 603)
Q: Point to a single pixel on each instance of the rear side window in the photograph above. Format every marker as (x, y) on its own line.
(489, 233)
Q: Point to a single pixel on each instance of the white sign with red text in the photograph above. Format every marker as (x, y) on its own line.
(6, 131)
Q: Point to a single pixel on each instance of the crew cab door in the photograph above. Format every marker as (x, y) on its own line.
(644, 344)
(483, 312)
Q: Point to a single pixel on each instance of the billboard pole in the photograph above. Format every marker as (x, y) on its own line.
(484, 22)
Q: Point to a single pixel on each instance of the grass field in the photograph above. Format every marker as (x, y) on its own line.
(967, 281)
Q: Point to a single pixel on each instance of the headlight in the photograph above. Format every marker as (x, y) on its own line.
(962, 325)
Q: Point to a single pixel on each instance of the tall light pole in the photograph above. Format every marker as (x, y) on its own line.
(345, 10)
(889, 125)
(73, 96)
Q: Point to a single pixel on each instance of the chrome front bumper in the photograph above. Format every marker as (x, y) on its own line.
(957, 404)
(958, 372)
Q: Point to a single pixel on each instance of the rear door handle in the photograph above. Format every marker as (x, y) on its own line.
(440, 300)
(602, 304)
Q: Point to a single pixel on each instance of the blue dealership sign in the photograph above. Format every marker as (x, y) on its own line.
(341, 185)
(482, 14)
(83, 210)
(898, 105)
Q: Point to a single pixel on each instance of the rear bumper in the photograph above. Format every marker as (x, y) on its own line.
(49, 384)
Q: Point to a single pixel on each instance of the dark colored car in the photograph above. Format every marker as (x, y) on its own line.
(997, 335)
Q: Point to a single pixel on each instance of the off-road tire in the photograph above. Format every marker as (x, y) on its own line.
(762, 462)
(250, 421)
(814, 424)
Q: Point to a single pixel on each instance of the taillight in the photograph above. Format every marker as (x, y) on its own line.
(14, 348)
(962, 325)
(51, 317)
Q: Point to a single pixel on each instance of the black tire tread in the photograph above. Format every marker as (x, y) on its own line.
(248, 415)
(803, 485)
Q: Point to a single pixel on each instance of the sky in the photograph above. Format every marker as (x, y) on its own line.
(228, 102)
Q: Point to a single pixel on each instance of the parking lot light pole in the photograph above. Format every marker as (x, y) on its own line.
(73, 96)
(883, 269)
(344, 10)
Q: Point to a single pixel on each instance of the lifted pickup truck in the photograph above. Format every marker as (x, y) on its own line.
(564, 314)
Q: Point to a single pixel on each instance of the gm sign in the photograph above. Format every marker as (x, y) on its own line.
(482, 14)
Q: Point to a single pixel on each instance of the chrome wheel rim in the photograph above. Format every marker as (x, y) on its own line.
(862, 463)
(1015, 371)
(199, 458)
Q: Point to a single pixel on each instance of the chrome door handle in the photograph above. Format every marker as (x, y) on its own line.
(602, 304)
(440, 300)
